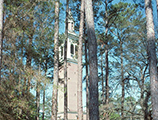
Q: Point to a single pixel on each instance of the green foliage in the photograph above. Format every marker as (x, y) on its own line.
(109, 111)
(127, 27)
(114, 116)
(13, 104)
(25, 21)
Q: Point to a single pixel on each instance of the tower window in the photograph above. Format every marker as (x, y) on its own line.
(72, 26)
(61, 51)
(72, 49)
(69, 26)
(76, 51)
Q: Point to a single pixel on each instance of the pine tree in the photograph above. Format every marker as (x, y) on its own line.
(79, 84)
(56, 63)
(93, 76)
(152, 58)
(87, 78)
(65, 61)
(87, 82)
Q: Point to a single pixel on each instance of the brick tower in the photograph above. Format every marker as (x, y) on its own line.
(71, 74)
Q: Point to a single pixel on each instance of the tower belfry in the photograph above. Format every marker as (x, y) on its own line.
(72, 47)
(70, 22)
(72, 75)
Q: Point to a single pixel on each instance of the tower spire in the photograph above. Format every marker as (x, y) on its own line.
(70, 22)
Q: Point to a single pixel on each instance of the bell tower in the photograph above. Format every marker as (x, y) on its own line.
(71, 74)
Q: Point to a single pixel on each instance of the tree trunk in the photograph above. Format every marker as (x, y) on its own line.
(28, 63)
(143, 102)
(1, 35)
(107, 79)
(93, 67)
(28, 59)
(106, 58)
(79, 84)
(29, 54)
(38, 95)
(44, 94)
(102, 78)
(56, 63)
(122, 82)
(87, 83)
(146, 112)
(37, 100)
(65, 62)
(44, 91)
(87, 79)
(152, 58)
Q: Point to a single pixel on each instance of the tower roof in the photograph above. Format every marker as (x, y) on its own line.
(71, 23)
(70, 16)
